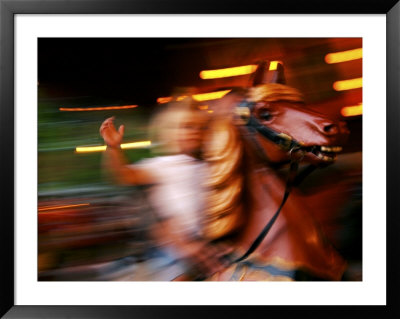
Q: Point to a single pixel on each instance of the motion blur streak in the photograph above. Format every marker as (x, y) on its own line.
(198, 97)
(88, 149)
(45, 208)
(352, 110)
(180, 98)
(343, 56)
(347, 84)
(135, 144)
(104, 108)
(228, 72)
(210, 95)
(274, 65)
(101, 148)
(162, 100)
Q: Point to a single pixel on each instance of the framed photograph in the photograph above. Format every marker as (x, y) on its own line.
(287, 98)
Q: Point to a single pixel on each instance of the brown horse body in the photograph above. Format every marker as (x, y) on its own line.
(295, 243)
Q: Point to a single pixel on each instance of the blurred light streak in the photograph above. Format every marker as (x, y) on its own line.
(89, 149)
(198, 97)
(228, 72)
(347, 84)
(162, 100)
(46, 208)
(180, 98)
(203, 107)
(102, 148)
(104, 108)
(210, 96)
(352, 110)
(135, 145)
(343, 56)
(274, 65)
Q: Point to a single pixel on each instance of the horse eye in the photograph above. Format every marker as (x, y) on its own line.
(265, 115)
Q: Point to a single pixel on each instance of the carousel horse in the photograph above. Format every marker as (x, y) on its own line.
(253, 138)
(256, 141)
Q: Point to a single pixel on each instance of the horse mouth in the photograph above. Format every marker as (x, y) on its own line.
(326, 153)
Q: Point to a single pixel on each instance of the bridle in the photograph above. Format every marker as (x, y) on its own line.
(243, 113)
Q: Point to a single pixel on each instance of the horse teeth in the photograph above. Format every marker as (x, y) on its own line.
(331, 148)
(325, 158)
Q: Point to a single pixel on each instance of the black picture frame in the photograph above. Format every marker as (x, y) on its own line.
(8, 10)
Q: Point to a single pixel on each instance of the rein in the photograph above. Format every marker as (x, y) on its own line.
(294, 164)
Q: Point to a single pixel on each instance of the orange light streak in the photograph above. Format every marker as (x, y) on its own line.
(102, 148)
(227, 72)
(46, 208)
(162, 100)
(104, 108)
(181, 98)
(347, 84)
(343, 56)
(351, 110)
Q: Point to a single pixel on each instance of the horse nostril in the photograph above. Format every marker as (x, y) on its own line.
(330, 129)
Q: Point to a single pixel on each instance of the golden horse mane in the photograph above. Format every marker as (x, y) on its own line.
(224, 154)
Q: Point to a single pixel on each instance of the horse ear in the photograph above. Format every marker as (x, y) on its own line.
(269, 72)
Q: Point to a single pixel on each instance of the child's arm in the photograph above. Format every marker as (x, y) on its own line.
(114, 160)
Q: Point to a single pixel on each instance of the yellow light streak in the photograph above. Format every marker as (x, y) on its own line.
(102, 148)
(347, 84)
(198, 97)
(227, 72)
(89, 149)
(274, 65)
(343, 56)
(210, 95)
(351, 110)
(103, 108)
(135, 145)
(46, 208)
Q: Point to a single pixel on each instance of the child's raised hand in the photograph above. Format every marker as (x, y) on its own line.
(111, 136)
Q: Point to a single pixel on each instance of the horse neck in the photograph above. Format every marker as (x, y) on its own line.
(264, 188)
(263, 180)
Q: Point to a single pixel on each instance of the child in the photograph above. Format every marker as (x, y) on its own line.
(176, 184)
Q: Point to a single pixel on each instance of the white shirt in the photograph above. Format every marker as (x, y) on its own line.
(179, 189)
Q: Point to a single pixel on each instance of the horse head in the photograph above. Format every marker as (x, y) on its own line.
(281, 123)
